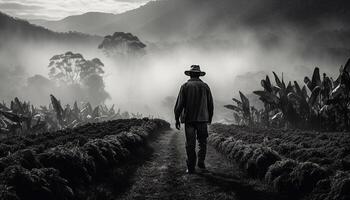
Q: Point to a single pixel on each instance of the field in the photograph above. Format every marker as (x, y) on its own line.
(302, 164)
(89, 162)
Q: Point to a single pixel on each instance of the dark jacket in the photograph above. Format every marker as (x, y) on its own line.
(194, 103)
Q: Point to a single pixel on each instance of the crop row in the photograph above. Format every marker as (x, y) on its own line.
(78, 135)
(330, 150)
(287, 176)
(93, 170)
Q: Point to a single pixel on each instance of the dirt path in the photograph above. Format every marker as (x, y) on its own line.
(164, 177)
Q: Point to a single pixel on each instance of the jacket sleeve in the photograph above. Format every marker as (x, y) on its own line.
(180, 103)
(210, 105)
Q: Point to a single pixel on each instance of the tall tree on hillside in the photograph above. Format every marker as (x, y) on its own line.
(122, 44)
(73, 68)
(79, 77)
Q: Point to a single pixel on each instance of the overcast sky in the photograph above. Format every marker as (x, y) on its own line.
(58, 9)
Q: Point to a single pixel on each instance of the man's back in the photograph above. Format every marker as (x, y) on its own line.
(194, 103)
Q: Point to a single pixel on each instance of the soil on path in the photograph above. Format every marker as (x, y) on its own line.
(163, 176)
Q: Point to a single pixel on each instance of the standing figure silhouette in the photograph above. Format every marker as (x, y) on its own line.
(194, 107)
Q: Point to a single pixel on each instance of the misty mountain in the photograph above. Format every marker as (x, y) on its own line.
(106, 23)
(163, 19)
(320, 26)
(14, 29)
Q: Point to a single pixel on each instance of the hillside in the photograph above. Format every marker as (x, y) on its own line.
(18, 29)
(164, 19)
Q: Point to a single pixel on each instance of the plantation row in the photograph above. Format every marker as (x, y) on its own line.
(330, 150)
(78, 135)
(94, 164)
(296, 179)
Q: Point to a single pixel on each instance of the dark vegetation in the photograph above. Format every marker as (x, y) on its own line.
(298, 162)
(301, 164)
(321, 104)
(89, 162)
(122, 44)
(21, 118)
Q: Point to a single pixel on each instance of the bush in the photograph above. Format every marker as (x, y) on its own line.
(254, 158)
(306, 175)
(74, 164)
(291, 177)
(340, 187)
(26, 158)
(44, 183)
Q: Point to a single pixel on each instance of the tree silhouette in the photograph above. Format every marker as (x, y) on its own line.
(122, 44)
(73, 68)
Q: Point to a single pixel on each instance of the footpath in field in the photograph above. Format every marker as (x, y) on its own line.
(163, 176)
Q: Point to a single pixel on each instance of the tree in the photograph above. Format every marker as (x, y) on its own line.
(78, 77)
(73, 68)
(122, 44)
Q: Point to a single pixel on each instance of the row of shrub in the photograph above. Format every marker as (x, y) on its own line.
(286, 176)
(71, 171)
(79, 135)
(329, 150)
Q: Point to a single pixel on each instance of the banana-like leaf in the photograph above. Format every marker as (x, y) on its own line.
(4, 107)
(267, 97)
(336, 92)
(304, 92)
(278, 81)
(76, 110)
(289, 87)
(293, 97)
(276, 89)
(2, 123)
(316, 79)
(238, 102)
(308, 82)
(57, 107)
(298, 89)
(347, 66)
(19, 106)
(12, 116)
(245, 104)
(237, 117)
(95, 113)
(266, 84)
(111, 110)
(39, 125)
(277, 116)
(234, 108)
(89, 108)
(314, 95)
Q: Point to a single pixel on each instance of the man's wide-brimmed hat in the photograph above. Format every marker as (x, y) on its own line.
(195, 70)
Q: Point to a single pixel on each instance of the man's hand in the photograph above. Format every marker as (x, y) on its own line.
(178, 125)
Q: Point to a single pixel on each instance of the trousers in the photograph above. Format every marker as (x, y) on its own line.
(193, 131)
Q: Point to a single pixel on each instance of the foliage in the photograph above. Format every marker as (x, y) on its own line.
(260, 161)
(122, 44)
(72, 170)
(243, 113)
(73, 68)
(21, 117)
(319, 104)
(312, 161)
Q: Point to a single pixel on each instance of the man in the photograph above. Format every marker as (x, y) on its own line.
(195, 107)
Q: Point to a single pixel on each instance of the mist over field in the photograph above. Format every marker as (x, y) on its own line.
(235, 51)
